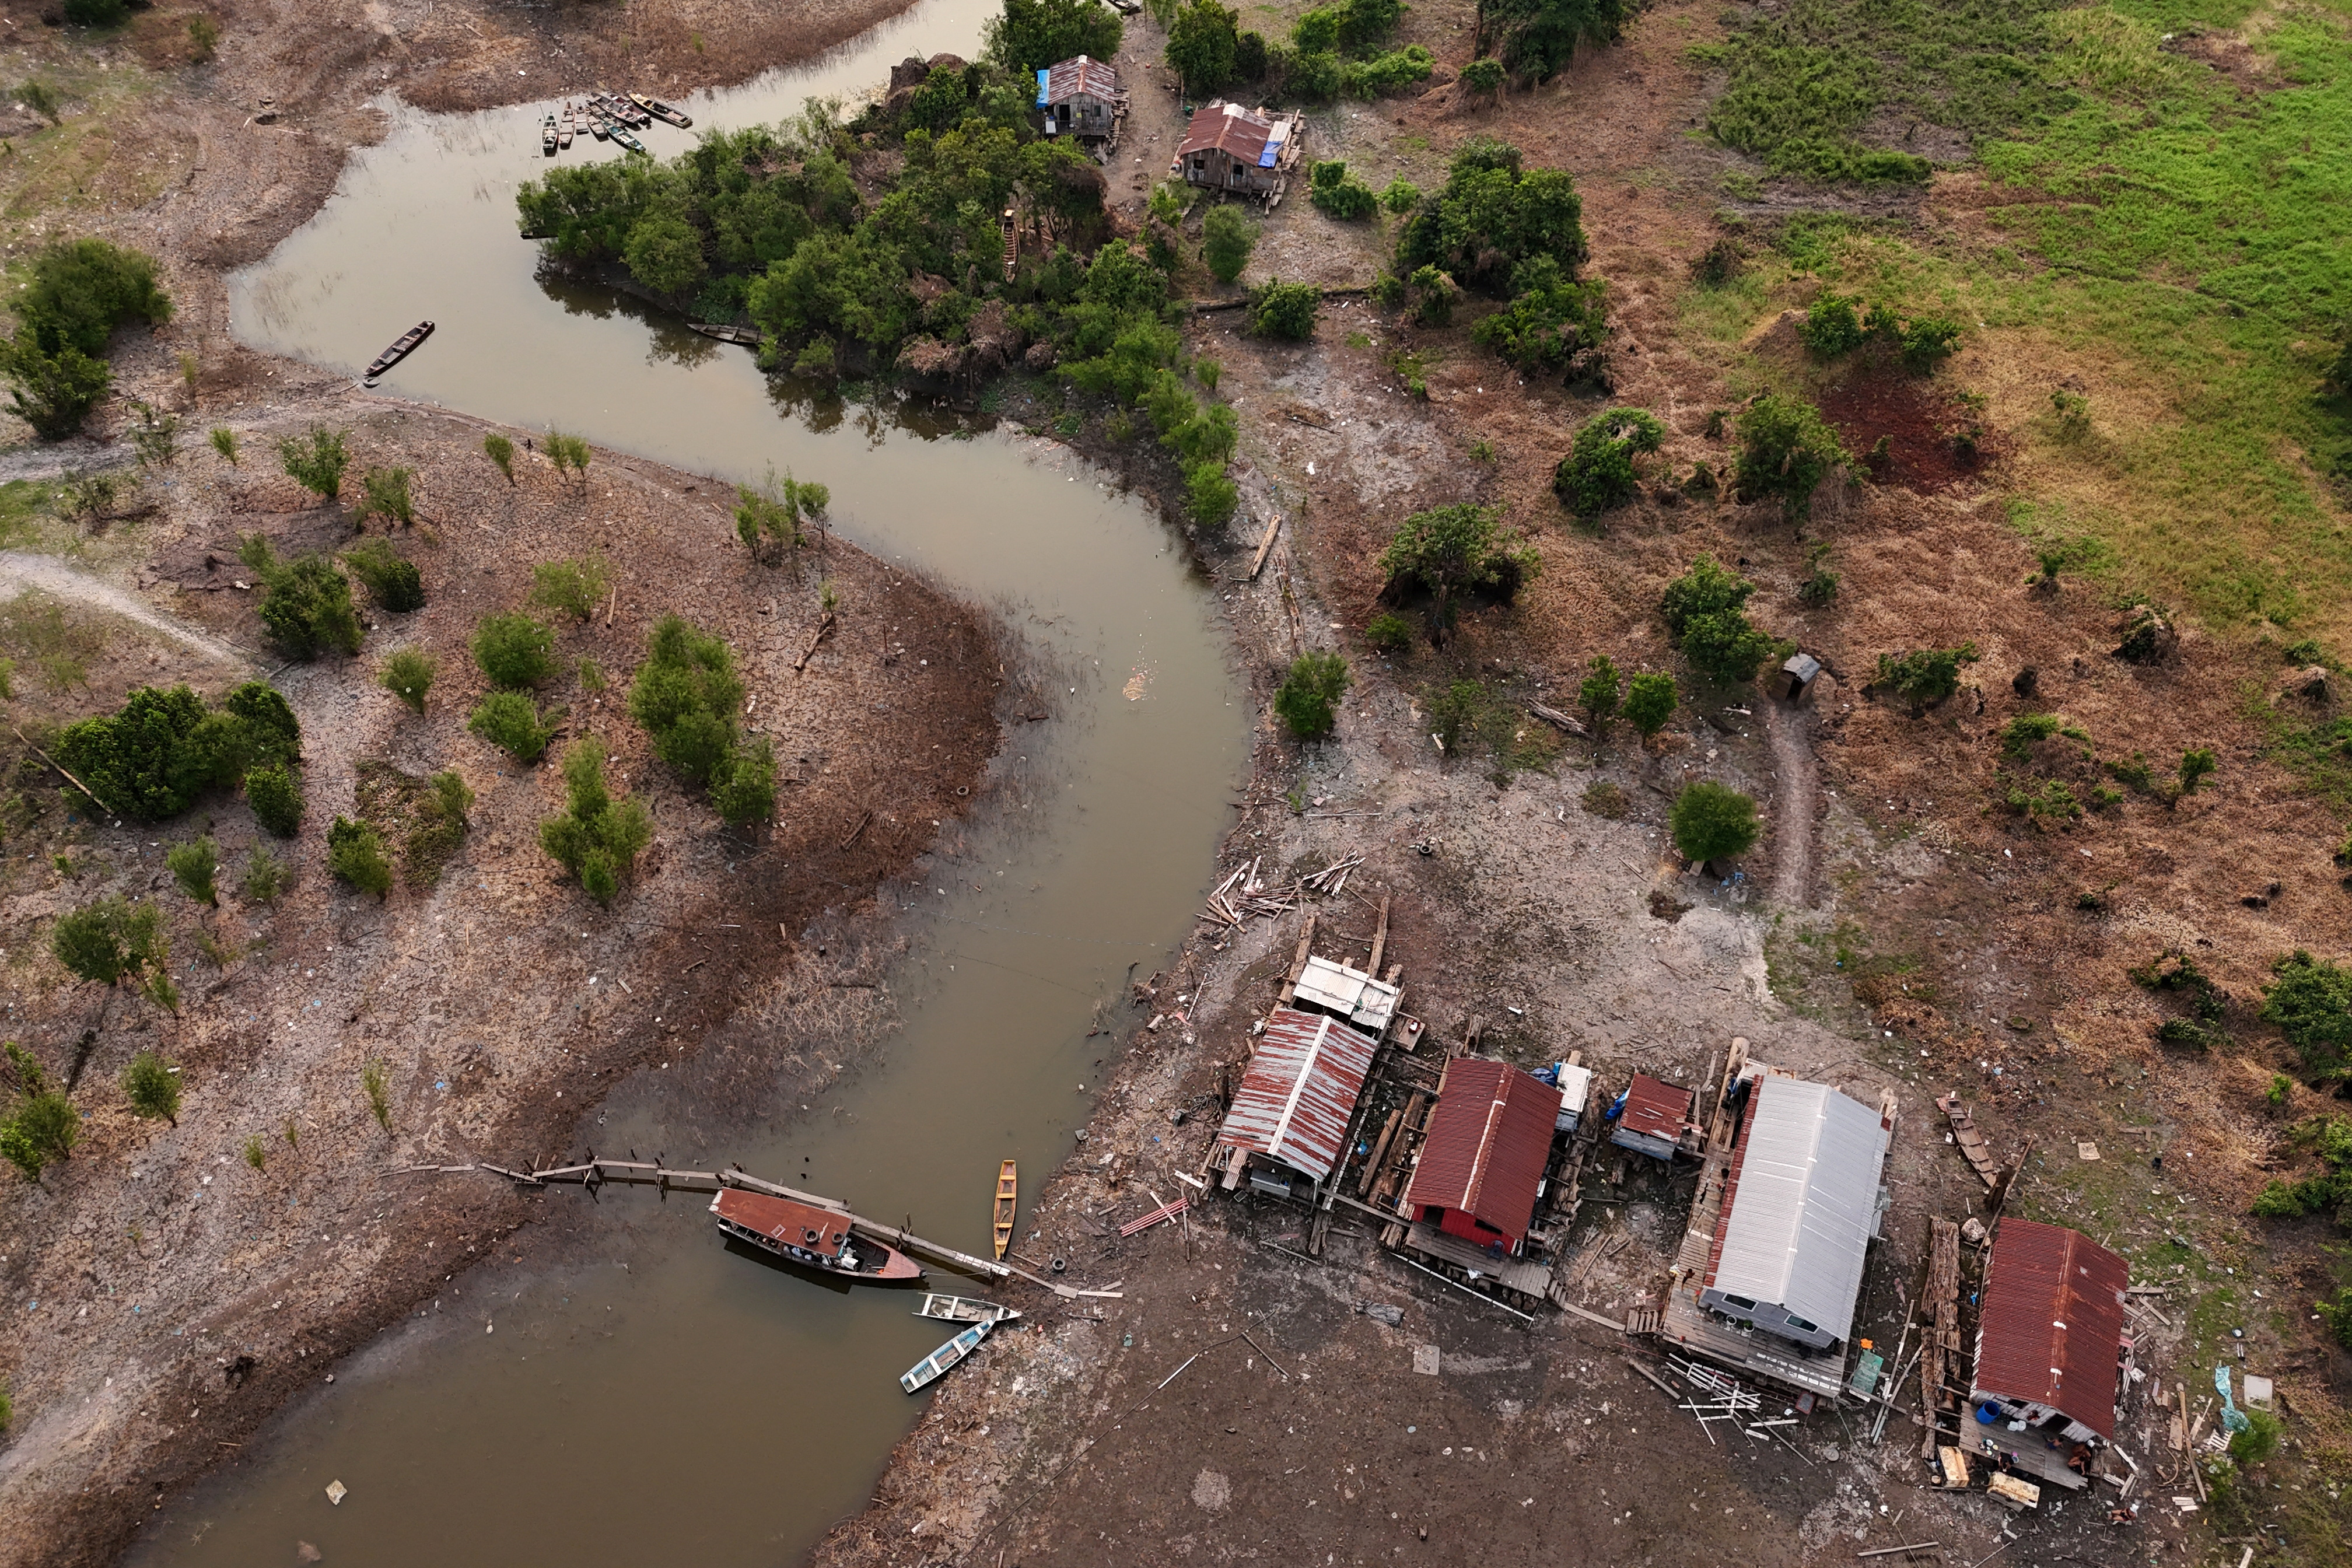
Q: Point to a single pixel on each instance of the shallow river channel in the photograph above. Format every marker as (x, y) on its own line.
(664, 1400)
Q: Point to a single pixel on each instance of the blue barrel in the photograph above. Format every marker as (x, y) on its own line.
(1988, 1413)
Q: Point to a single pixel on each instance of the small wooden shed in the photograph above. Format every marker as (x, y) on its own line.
(1081, 97)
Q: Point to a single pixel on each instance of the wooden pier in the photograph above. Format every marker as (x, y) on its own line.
(593, 1173)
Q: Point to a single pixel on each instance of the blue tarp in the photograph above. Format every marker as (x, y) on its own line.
(1041, 89)
(1266, 159)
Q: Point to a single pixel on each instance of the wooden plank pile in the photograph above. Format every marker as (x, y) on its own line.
(1244, 893)
(1940, 1356)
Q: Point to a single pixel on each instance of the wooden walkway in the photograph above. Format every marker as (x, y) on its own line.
(593, 1173)
(1511, 1273)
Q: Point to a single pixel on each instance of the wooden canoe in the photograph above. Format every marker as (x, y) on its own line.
(1008, 1196)
(928, 1369)
(964, 1309)
(402, 347)
(563, 127)
(660, 111)
(547, 136)
(814, 1238)
(627, 138)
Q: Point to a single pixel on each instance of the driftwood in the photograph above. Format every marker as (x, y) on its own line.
(62, 768)
(809, 652)
(1558, 720)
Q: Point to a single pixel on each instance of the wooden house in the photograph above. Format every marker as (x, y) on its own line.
(1483, 1160)
(1245, 150)
(1081, 98)
(2050, 1337)
(1296, 1102)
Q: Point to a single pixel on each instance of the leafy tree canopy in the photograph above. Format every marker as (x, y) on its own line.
(1491, 215)
(1030, 34)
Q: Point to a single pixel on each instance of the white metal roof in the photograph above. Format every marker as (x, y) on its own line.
(1575, 1086)
(1798, 1218)
(1351, 993)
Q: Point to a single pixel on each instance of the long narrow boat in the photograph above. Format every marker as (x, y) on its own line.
(817, 1238)
(626, 138)
(563, 126)
(660, 111)
(580, 120)
(547, 136)
(1008, 1195)
(593, 118)
(622, 111)
(964, 1309)
(402, 347)
(928, 1369)
(748, 336)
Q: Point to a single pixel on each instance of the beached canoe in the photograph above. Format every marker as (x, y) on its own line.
(815, 1237)
(964, 1309)
(1008, 1195)
(402, 347)
(928, 1369)
(563, 127)
(547, 136)
(626, 138)
(660, 111)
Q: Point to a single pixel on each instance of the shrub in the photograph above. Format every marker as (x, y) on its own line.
(1713, 822)
(575, 588)
(1552, 323)
(568, 452)
(274, 790)
(1598, 472)
(2196, 766)
(306, 605)
(1832, 328)
(1455, 550)
(52, 391)
(156, 436)
(2311, 1002)
(156, 755)
(204, 37)
(1649, 702)
(1493, 217)
(80, 290)
(514, 650)
(355, 854)
(1601, 798)
(1209, 494)
(769, 516)
(596, 838)
(1707, 589)
(1925, 677)
(743, 787)
(2258, 1441)
(1400, 195)
(109, 941)
(1279, 310)
(510, 720)
(1486, 76)
(1820, 589)
(1703, 610)
(1389, 632)
(686, 695)
(1599, 696)
(1203, 40)
(501, 451)
(384, 492)
(391, 579)
(193, 866)
(316, 460)
(265, 875)
(1536, 38)
(1433, 294)
(153, 1087)
(1308, 693)
(408, 675)
(41, 1127)
(379, 1093)
(225, 443)
(1339, 194)
(1785, 450)
(1227, 238)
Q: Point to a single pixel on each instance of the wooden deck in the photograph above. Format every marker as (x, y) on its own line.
(1750, 1351)
(1511, 1273)
(2025, 1451)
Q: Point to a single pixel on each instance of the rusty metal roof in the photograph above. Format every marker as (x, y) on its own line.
(782, 1219)
(1301, 1089)
(1231, 129)
(2053, 1322)
(1801, 1202)
(1095, 78)
(1655, 1109)
(1488, 1141)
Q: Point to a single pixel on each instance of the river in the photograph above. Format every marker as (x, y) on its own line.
(667, 1401)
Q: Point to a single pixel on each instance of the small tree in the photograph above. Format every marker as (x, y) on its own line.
(225, 443)
(204, 37)
(408, 675)
(305, 604)
(1599, 694)
(1310, 692)
(1598, 472)
(1455, 550)
(568, 452)
(2195, 766)
(1227, 238)
(744, 787)
(1484, 76)
(1279, 310)
(574, 588)
(501, 451)
(378, 1091)
(43, 1126)
(596, 838)
(265, 875)
(384, 492)
(52, 392)
(193, 866)
(316, 460)
(1649, 702)
(1925, 677)
(510, 720)
(1400, 197)
(1713, 822)
(514, 650)
(1203, 40)
(2311, 1002)
(769, 520)
(108, 942)
(1832, 328)
(355, 854)
(152, 1087)
(1786, 450)
(274, 790)
(391, 579)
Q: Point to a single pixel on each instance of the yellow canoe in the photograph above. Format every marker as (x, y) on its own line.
(1008, 1191)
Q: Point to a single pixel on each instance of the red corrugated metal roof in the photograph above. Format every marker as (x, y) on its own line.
(1488, 1141)
(1230, 129)
(2053, 1322)
(1656, 1109)
(1071, 77)
(1300, 1091)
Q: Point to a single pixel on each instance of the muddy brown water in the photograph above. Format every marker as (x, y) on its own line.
(661, 1399)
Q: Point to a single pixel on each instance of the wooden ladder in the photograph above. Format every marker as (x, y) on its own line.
(1012, 243)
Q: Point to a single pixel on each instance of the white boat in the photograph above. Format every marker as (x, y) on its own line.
(964, 1309)
(928, 1369)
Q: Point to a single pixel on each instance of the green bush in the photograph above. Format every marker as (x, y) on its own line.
(355, 854)
(384, 492)
(109, 941)
(1534, 39)
(1552, 323)
(568, 452)
(1820, 589)
(1601, 694)
(1308, 693)
(514, 650)
(1209, 494)
(265, 874)
(1028, 36)
(2311, 1002)
(96, 13)
(743, 787)
(316, 460)
(1598, 472)
(80, 290)
(193, 866)
(1279, 310)
(1227, 238)
(41, 1126)
(391, 579)
(274, 790)
(686, 695)
(1924, 677)
(1649, 702)
(1400, 195)
(596, 838)
(306, 606)
(1831, 327)
(1785, 450)
(53, 392)
(2196, 766)
(510, 720)
(1493, 217)
(1703, 611)
(575, 588)
(1486, 76)
(1389, 632)
(499, 450)
(408, 675)
(161, 751)
(1450, 551)
(1713, 822)
(1433, 295)
(153, 1087)
(1339, 194)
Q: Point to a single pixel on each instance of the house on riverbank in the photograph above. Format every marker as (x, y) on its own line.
(1291, 1113)
(2050, 1340)
(1247, 151)
(1082, 98)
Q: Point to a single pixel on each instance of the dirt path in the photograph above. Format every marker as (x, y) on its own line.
(20, 572)
(1796, 802)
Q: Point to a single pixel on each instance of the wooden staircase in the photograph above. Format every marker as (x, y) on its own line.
(1012, 243)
